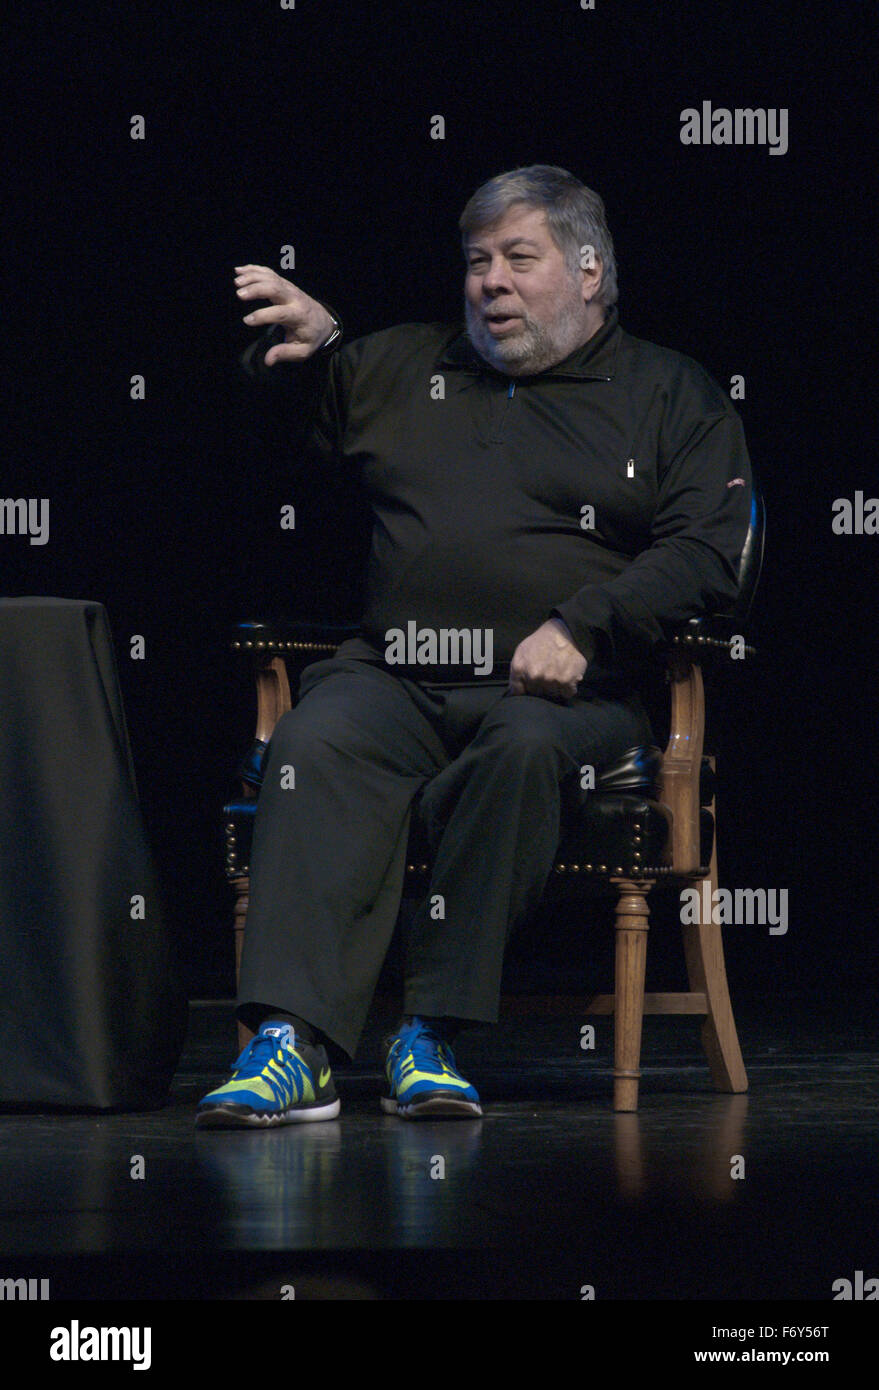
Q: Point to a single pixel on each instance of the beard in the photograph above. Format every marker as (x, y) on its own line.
(530, 346)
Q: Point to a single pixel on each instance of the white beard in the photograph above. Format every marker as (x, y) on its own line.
(530, 347)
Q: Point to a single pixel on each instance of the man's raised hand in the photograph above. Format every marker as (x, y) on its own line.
(307, 325)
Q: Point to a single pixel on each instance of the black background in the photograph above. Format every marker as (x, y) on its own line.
(311, 127)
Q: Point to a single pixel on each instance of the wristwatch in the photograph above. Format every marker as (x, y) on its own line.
(336, 333)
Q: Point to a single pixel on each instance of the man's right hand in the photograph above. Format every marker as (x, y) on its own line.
(307, 325)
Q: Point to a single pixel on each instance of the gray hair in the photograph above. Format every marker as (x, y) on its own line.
(574, 214)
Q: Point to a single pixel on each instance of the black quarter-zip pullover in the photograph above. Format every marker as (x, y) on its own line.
(612, 490)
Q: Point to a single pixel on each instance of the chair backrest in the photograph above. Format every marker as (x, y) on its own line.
(751, 562)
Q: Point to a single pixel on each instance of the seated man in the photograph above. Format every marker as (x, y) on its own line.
(548, 494)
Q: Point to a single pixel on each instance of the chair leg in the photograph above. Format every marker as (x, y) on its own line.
(242, 901)
(632, 921)
(706, 968)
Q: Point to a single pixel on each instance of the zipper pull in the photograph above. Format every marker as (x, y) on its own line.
(511, 390)
(630, 468)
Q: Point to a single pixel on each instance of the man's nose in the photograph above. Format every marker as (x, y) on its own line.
(497, 278)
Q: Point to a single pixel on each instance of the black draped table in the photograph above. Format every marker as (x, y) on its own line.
(91, 1011)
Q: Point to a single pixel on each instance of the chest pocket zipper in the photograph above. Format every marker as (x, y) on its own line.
(499, 411)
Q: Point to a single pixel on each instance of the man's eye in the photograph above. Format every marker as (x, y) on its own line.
(516, 256)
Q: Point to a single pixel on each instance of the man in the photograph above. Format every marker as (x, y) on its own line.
(549, 494)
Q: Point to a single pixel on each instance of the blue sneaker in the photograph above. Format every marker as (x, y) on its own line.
(277, 1080)
(422, 1077)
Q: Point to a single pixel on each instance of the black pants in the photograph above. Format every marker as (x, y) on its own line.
(328, 856)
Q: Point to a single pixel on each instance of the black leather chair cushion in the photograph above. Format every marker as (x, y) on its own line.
(618, 828)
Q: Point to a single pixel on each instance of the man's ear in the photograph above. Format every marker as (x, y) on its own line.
(593, 274)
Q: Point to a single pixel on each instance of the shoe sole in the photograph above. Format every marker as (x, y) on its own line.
(238, 1117)
(449, 1107)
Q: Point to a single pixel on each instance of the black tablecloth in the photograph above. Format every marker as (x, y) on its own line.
(91, 1012)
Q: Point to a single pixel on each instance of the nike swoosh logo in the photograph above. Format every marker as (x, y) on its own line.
(323, 1078)
(445, 1079)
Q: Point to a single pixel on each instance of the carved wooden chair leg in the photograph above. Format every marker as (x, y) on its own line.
(703, 949)
(632, 921)
(242, 900)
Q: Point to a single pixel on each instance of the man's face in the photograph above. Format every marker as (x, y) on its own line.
(524, 309)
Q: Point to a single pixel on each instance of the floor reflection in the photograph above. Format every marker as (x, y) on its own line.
(713, 1170)
(771, 1193)
(365, 1182)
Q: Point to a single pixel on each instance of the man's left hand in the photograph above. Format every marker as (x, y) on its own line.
(547, 663)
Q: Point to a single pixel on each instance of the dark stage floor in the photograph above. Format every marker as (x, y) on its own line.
(548, 1193)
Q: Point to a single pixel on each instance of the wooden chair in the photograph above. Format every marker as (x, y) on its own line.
(650, 817)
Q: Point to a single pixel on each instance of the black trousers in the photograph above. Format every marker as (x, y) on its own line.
(332, 826)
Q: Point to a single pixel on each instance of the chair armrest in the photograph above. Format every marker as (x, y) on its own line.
(708, 636)
(278, 649)
(290, 637)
